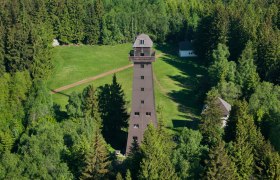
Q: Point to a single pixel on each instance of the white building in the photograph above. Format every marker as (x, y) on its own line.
(186, 49)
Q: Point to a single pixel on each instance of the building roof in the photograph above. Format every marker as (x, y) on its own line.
(185, 46)
(146, 41)
(226, 107)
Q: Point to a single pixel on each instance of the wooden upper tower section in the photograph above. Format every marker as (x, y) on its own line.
(142, 49)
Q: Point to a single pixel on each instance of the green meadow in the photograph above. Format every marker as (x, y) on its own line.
(175, 83)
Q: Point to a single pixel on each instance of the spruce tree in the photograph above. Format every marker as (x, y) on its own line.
(89, 101)
(97, 160)
(211, 123)
(128, 175)
(119, 176)
(156, 163)
(247, 76)
(112, 106)
(242, 151)
(219, 165)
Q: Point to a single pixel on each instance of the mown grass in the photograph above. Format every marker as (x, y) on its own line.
(176, 79)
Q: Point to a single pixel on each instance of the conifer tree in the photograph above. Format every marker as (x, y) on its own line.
(89, 101)
(247, 76)
(112, 107)
(242, 151)
(154, 152)
(211, 123)
(218, 165)
(74, 105)
(119, 176)
(128, 175)
(97, 160)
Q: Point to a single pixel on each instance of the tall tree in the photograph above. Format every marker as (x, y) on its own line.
(97, 160)
(112, 106)
(211, 123)
(219, 165)
(245, 134)
(247, 76)
(187, 155)
(221, 69)
(155, 152)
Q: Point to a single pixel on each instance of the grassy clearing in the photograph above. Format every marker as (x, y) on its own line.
(74, 63)
(175, 80)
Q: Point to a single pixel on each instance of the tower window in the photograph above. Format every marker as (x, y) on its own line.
(136, 126)
(135, 138)
(142, 77)
(136, 113)
(141, 41)
(142, 101)
(148, 113)
(142, 65)
(142, 89)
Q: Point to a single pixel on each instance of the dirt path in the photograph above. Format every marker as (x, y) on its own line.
(90, 79)
(94, 78)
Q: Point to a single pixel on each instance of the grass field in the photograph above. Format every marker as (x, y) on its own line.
(175, 78)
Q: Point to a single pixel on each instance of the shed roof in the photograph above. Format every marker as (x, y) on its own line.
(185, 45)
(147, 41)
(226, 107)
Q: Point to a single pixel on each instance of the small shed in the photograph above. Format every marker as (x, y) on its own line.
(225, 108)
(186, 49)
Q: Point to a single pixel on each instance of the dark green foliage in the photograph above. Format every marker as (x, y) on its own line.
(39, 103)
(112, 107)
(221, 69)
(97, 161)
(211, 123)
(241, 129)
(128, 175)
(188, 154)
(212, 30)
(89, 101)
(247, 76)
(155, 151)
(74, 105)
(218, 165)
(40, 149)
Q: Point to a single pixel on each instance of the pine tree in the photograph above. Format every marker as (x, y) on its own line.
(74, 105)
(154, 152)
(97, 160)
(211, 123)
(247, 76)
(218, 165)
(242, 152)
(112, 106)
(221, 69)
(89, 101)
(128, 175)
(119, 176)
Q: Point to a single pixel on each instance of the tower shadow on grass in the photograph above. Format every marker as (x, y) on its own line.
(190, 96)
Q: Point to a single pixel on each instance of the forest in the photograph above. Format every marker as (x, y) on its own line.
(237, 40)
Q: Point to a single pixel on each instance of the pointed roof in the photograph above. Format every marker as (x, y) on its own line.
(143, 40)
(225, 105)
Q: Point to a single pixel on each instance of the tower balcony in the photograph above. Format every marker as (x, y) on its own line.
(135, 58)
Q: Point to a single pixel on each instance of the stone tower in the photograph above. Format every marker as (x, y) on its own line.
(143, 99)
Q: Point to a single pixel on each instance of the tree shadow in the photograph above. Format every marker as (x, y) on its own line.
(190, 96)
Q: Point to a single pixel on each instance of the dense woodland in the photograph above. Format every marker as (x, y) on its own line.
(237, 40)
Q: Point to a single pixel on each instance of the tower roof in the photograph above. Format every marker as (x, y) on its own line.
(143, 40)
